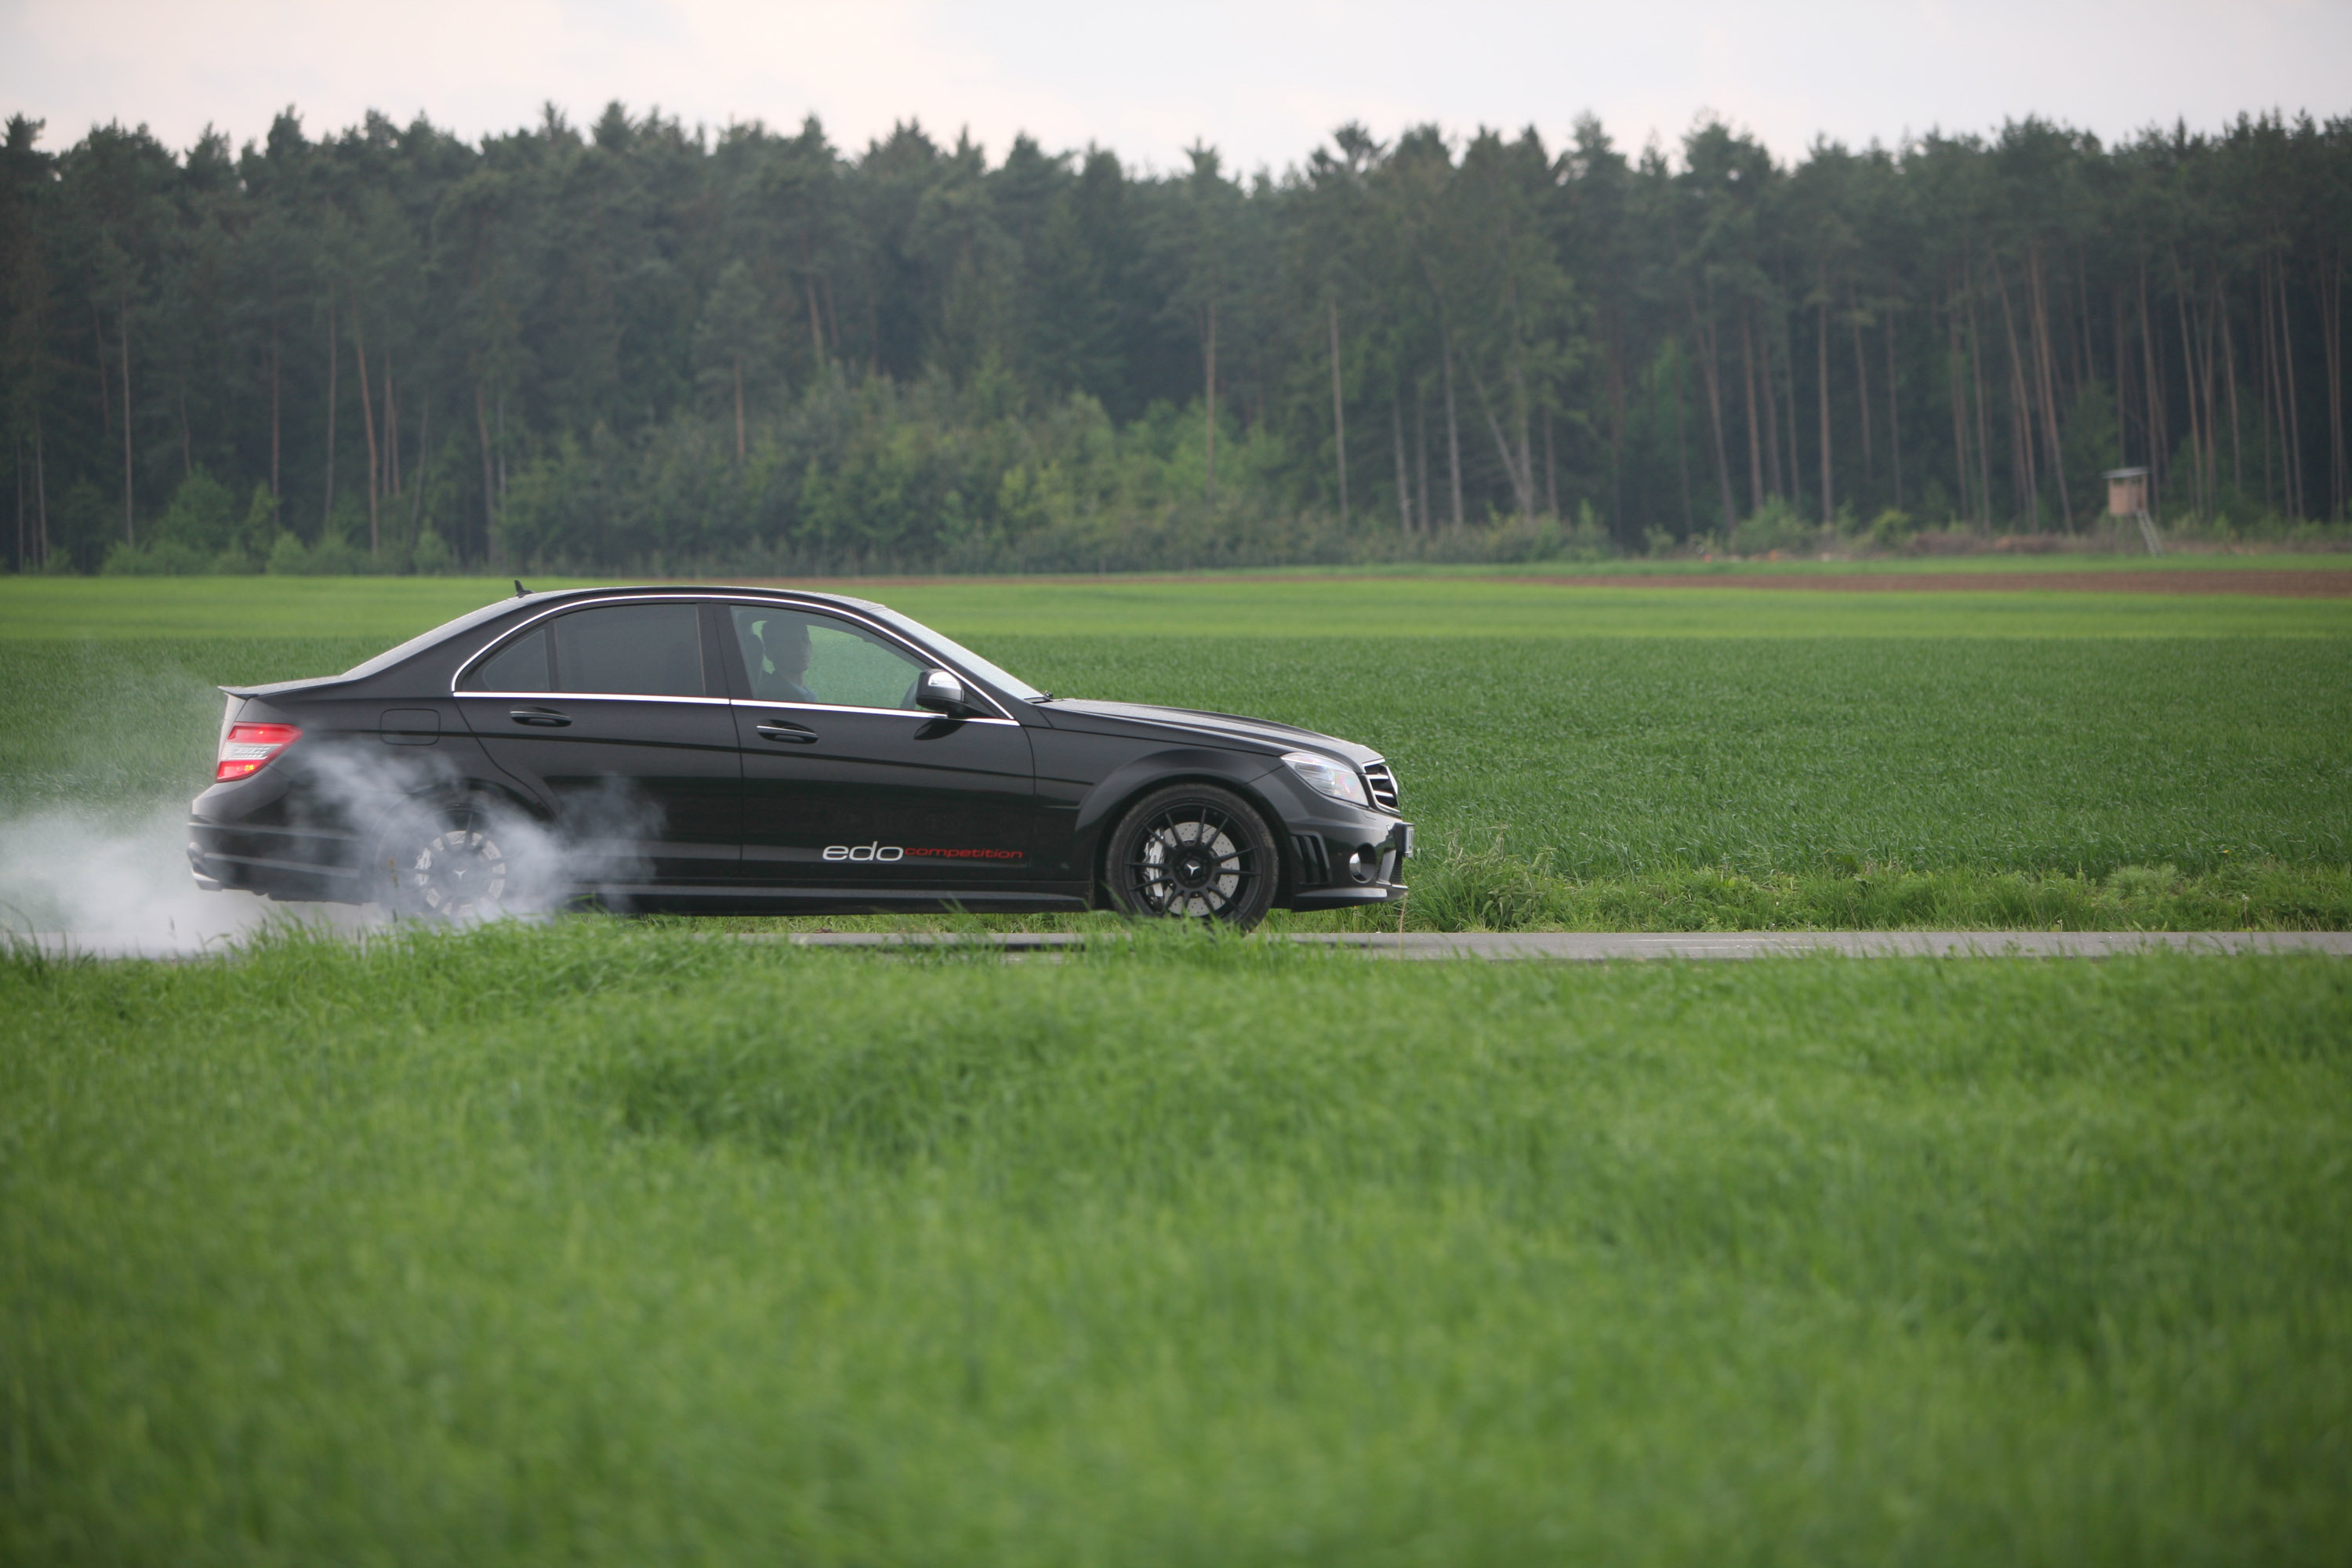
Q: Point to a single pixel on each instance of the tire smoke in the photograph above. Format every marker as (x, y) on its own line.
(117, 883)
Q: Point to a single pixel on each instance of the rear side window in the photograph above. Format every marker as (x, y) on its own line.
(521, 665)
(620, 650)
(630, 650)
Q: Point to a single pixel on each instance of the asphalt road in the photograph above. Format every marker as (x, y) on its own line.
(1593, 946)
(1596, 945)
(1571, 947)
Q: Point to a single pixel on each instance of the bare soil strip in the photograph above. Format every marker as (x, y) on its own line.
(2310, 585)
(2322, 582)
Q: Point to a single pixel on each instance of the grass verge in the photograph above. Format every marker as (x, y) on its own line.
(1493, 890)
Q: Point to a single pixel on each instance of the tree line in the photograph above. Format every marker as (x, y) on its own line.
(634, 345)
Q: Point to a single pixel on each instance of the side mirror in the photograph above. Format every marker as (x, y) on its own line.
(942, 692)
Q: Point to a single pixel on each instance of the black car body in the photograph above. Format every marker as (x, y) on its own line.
(737, 750)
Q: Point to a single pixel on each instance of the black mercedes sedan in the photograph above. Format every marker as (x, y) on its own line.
(757, 751)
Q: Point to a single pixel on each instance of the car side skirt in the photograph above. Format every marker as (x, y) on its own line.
(1346, 897)
(671, 897)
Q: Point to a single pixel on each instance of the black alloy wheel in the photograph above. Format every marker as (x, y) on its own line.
(1194, 852)
(449, 864)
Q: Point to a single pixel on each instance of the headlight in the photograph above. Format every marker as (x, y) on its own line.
(1334, 779)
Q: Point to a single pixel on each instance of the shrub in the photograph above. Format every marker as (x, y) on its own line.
(432, 557)
(1776, 525)
(164, 558)
(1487, 889)
(201, 518)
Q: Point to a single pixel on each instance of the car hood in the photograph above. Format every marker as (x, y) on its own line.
(1144, 719)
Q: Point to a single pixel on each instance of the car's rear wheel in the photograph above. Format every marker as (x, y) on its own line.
(451, 863)
(1193, 851)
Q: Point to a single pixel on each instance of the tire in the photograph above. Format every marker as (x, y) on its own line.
(1193, 851)
(450, 864)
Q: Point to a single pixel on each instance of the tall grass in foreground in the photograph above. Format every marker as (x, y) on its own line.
(586, 1242)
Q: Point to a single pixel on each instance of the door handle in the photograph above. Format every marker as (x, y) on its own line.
(782, 732)
(544, 718)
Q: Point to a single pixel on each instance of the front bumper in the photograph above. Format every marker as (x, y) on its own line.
(1341, 866)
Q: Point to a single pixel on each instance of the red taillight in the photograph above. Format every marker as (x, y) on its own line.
(248, 748)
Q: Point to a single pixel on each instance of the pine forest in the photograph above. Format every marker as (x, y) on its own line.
(634, 346)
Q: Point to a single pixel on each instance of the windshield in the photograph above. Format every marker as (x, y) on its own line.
(1003, 680)
(419, 643)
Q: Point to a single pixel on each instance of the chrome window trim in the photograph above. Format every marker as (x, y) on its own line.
(844, 707)
(590, 697)
(923, 656)
(720, 702)
(457, 680)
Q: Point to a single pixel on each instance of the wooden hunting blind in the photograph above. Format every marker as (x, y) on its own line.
(2126, 491)
(2128, 498)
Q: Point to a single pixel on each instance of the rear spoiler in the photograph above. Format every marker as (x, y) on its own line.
(276, 688)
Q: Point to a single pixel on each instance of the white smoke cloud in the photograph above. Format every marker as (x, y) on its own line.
(418, 816)
(119, 887)
(117, 884)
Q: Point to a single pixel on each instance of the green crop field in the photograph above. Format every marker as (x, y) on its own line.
(1607, 758)
(589, 1244)
(620, 1241)
(1422, 603)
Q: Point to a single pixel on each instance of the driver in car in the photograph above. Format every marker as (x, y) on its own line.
(783, 646)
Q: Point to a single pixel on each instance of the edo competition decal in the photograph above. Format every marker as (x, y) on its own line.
(886, 853)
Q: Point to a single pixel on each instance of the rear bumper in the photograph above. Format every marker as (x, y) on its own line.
(299, 865)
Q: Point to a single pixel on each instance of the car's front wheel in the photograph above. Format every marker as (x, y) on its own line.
(1193, 852)
(451, 863)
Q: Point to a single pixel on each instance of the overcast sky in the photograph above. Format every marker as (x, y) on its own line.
(1264, 80)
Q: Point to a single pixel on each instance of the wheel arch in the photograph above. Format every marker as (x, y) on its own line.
(1118, 795)
(443, 792)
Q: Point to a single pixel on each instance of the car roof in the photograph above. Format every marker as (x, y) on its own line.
(729, 590)
(427, 642)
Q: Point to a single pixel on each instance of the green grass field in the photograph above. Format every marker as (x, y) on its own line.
(1737, 758)
(624, 1241)
(385, 610)
(591, 1244)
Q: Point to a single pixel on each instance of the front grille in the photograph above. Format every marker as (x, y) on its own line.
(1383, 782)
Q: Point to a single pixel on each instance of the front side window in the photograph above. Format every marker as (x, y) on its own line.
(794, 656)
(997, 674)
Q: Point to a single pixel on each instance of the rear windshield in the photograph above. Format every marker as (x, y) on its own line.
(424, 640)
